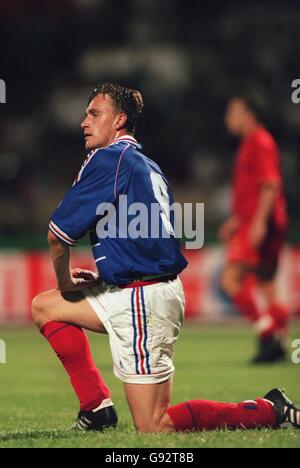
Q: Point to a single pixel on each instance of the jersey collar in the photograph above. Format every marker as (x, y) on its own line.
(127, 139)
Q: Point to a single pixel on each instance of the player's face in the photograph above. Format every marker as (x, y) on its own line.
(235, 116)
(99, 125)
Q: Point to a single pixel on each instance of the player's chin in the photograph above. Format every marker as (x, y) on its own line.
(90, 145)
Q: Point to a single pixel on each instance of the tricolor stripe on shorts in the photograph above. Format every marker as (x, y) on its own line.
(140, 332)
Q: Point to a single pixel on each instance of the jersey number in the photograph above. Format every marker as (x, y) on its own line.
(160, 190)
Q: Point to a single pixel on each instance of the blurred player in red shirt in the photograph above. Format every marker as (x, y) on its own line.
(256, 230)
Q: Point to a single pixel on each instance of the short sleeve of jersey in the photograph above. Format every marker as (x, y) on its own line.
(267, 161)
(96, 184)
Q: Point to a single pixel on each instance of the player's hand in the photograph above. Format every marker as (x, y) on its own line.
(85, 274)
(229, 228)
(258, 232)
(81, 279)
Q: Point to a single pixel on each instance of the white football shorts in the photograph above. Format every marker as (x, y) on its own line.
(143, 324)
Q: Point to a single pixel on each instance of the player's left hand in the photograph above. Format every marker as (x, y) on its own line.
(258, 232)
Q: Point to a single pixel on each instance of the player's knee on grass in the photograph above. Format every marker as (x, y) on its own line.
(155, 424)
(149, 428)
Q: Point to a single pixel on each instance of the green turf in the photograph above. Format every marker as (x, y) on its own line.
(37, 405)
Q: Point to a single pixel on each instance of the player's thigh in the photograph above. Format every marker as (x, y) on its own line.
(148, 405)
(72, 308)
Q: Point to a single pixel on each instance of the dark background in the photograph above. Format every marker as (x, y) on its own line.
(185, 57)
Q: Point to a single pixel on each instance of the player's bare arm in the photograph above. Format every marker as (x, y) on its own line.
(68, 280)
(66, 303)
(229, 228)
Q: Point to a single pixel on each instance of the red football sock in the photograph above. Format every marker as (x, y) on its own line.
(209, 415)
(266, 325)
(280, 315)
(72, 348)
(246, 303)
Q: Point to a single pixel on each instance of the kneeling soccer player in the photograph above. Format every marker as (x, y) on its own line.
(139, 300)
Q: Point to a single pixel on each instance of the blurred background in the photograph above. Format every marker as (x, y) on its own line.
(185, 56)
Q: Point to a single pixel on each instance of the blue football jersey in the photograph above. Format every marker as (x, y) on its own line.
(121, 172)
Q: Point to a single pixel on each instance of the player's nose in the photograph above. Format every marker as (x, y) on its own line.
(85, 123)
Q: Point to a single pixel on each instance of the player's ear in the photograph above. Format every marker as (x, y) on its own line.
(120, 121)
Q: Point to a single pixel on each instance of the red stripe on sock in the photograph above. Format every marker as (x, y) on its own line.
(53, 332)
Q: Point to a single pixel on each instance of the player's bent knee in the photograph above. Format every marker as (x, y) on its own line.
(39, 307)
(36, 307)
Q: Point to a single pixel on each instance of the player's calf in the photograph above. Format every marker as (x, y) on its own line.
(72, 347)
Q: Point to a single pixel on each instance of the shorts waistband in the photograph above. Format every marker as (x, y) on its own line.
(148, 281)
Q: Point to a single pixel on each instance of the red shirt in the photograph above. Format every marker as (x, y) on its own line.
(258, 162)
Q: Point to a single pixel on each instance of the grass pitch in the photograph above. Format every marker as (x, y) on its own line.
(37, 404)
